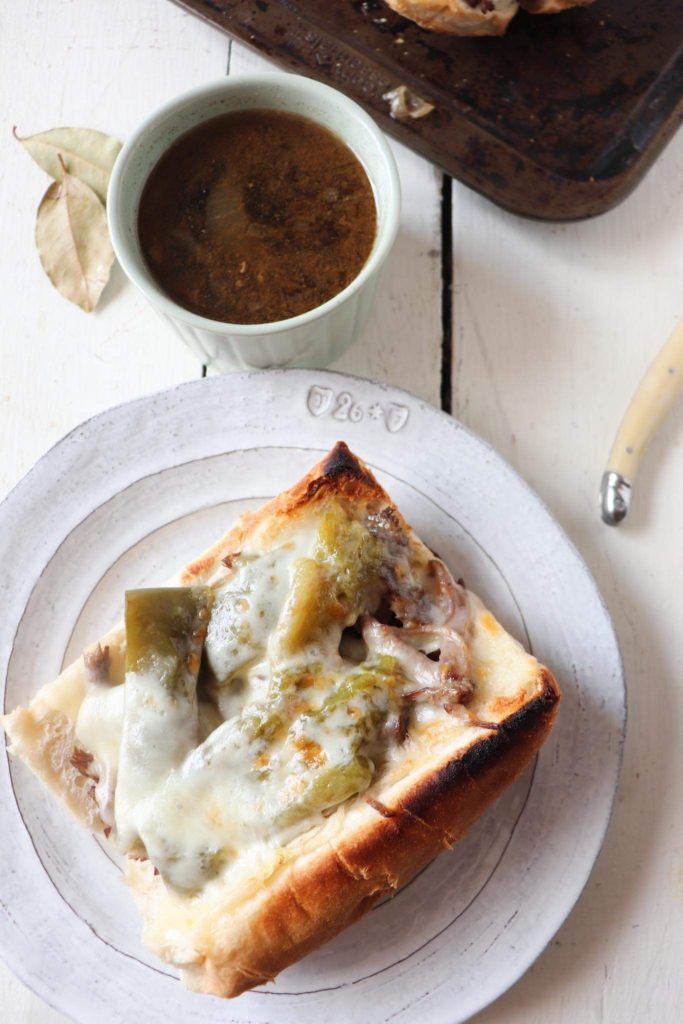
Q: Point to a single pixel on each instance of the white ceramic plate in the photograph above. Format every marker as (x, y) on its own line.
(133, 493)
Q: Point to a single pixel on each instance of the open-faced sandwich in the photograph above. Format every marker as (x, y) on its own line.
(306, 715)
(475, 17)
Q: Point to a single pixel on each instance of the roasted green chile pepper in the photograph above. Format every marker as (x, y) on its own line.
(165, 630)
(329, 787)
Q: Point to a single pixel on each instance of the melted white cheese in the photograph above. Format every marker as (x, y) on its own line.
(197, 803)
(100, 723)
(98, 730)
(161, 725)
(244, 615)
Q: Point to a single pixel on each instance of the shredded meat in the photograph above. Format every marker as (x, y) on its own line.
(395, 728)
(389, 640)
(444, 681)
(414, 606)
(386, 522)
(449, 697)
(454, 656)
(97, 664)
(450, 596)
(449, 638)
(381, 808)
(436, 657)
(82, 761)
(483, 724)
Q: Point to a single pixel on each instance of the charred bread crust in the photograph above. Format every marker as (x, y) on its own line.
(341, 473)
(318, 896)
(315, 899)
(458, 17)
(487, 767)
(341, 462)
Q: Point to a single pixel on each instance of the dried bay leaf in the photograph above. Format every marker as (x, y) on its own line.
(73, 241)
(87, 154)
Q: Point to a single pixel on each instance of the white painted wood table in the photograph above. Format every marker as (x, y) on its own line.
(549, 330)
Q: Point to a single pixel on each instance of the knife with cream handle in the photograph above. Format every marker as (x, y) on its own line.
(654, 397)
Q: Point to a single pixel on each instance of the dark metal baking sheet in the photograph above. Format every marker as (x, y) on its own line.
(559, 119)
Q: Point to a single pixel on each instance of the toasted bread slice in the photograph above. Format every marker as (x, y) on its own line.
(459, 17)
(288, 891)
(475, 17)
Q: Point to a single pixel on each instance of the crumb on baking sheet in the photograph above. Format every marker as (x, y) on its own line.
(405, 105)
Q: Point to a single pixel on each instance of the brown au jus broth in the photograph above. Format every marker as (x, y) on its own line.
(256, 216)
